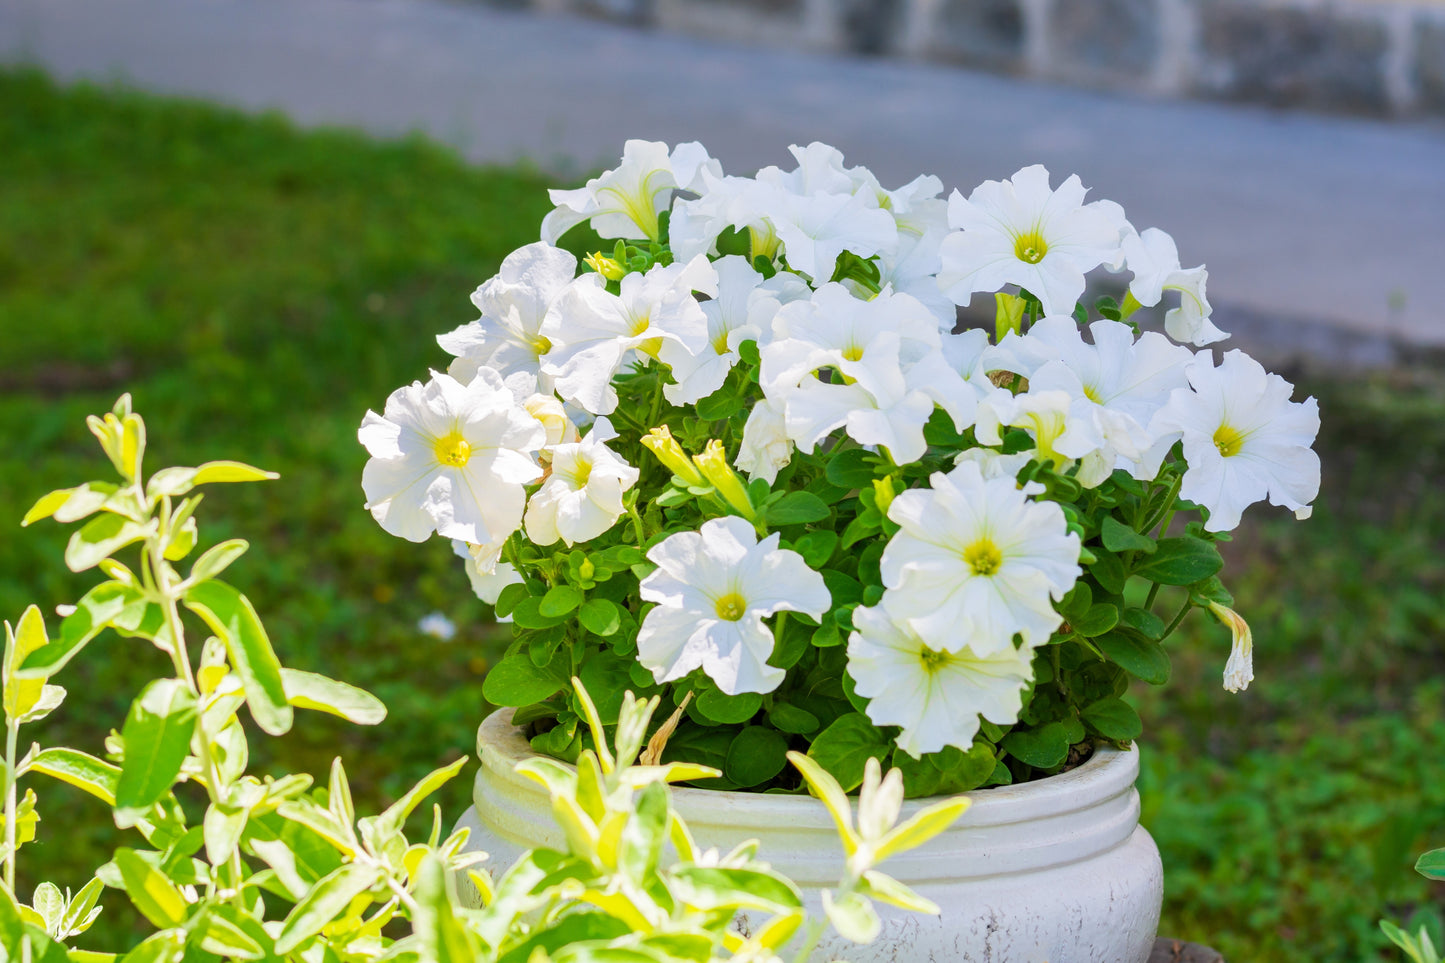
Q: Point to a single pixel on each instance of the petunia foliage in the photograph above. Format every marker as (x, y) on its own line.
(786, 493)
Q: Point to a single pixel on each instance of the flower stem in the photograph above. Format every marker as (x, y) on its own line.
(12, 733)
(1183, 611)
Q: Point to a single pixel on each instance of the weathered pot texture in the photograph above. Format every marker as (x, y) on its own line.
(1054, 871)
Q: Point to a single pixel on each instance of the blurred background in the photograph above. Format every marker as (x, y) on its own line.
(255, 215)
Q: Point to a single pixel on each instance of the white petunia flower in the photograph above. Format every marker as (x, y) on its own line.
(995, 464)
(1154, 259)
(766, 447)
(594, 332)
(815, 229)
(1244, 440)
(1064, 427)
(582, 497)
(1125, 383)
(742, 311)
(450, 458)
(936, 695)
(552, 416)
(977, 561)
(714, 587)
(882, 393)
(624, 202)
(507, 337)
(1020, 232)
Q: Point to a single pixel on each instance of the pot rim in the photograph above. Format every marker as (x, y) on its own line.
(1107, 773)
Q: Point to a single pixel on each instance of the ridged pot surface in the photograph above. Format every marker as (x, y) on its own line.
(1053, 871)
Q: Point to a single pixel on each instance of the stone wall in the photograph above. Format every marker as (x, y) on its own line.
(1355, 56)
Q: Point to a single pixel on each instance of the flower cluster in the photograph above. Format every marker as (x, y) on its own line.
(741, 454)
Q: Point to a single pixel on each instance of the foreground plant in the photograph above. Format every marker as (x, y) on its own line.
(945, 550)
(278, 868)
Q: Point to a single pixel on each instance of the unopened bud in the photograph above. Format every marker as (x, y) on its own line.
(609, 268)
(715, 468)
(549, 412)
(660, 442)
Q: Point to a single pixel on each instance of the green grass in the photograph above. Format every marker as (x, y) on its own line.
(257, 289)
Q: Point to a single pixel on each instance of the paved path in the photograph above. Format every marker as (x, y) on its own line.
(1324, 236)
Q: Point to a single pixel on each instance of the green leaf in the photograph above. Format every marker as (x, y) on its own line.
(218, 558)
(1109, 572)
(1432, 864)
(715, 887)
(153, 894)
(528, 614)
(853, 917)
(515, 681)
(1114, 719)
(157, 736)
(757, 754)
(1119, 537)
(100, 538)
(559, 600)
(1042, 748)
(510, 597)
(307, 690)
(22, 695)
(719, 405)
(95, 776)
(326, 900)
(1143, 621)
(963, 771)
(817, 547)
(71, 504)
(790, 718)
(796, 508)
(600, 617)
(167, 946)
(1141, 657)
(852, 469)
(845, 747)
(717, 706)
(231, 616)
(179, 481)
(919, 777)
(1183, 560)
(442, 938)
(1097, 620)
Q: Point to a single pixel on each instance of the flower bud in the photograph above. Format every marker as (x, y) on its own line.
(715, 468)
(1008, 315)
(548, 410)
(1239, 670)
(660, 442)
(883, 493)
(609, 268)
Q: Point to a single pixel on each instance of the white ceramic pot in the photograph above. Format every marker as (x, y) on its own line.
(1054, 871)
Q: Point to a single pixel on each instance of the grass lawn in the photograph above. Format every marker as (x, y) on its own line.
(257, 289)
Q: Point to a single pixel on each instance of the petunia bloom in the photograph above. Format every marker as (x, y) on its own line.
(977, 561)
(713, 588)
(1019, 231)
(450, 458)
(1244, 440)
(582, 497)
(936, 695)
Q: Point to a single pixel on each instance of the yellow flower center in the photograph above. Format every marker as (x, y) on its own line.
(453, 450)
(731, 607)
(580, 472)
(538, 344)
(1031, 247)
(1092, 394)
(983, 557)
(1228, 440)
(720, 343)
(853, 353)
(933, 660)
(638, 324)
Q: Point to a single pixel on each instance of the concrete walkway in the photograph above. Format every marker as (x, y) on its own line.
(1324, 237)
